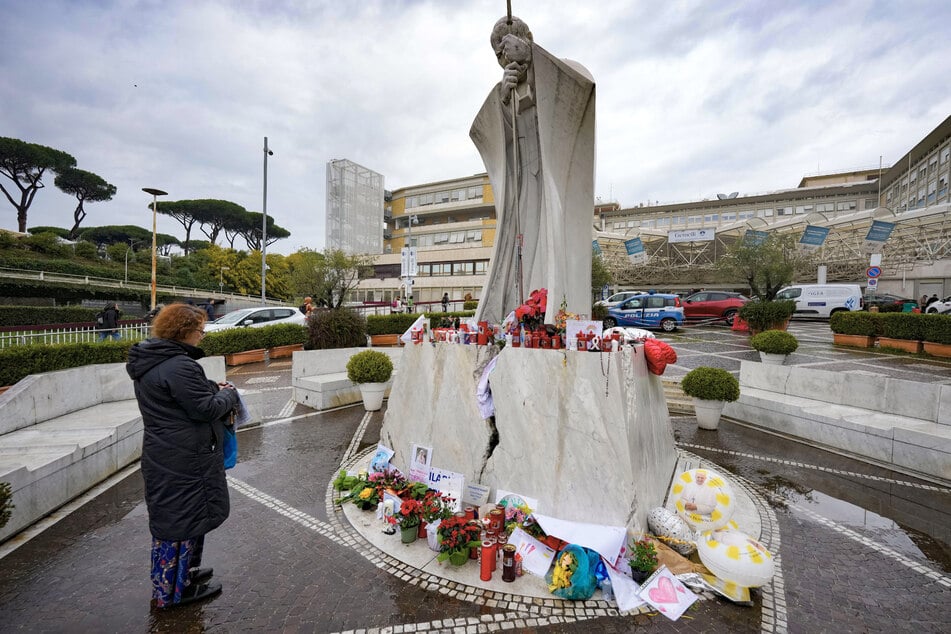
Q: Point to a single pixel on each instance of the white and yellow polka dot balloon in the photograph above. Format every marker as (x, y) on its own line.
(703, 498)
(735, 557)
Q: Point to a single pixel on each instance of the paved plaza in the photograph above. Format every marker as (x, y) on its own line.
(860, 548)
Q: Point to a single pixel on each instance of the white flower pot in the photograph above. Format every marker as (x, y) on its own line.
(372, 394)
(708, 413)
(772, 359)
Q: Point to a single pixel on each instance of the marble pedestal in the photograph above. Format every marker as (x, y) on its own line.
(584, 455)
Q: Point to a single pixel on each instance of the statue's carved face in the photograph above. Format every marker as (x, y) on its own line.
(513, 49)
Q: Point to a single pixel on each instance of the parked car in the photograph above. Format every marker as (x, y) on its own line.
(647, 310)
(942, 307)
(257, 317)
(887, 299)
(823, 300)
(617, 298)
(713, 305)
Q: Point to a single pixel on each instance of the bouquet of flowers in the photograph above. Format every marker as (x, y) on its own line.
(364, 495)
(435, 507)
(531, 314)
(411, 513)
(389, 479)
(455, 535)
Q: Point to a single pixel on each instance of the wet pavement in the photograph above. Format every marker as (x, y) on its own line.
(860, 548)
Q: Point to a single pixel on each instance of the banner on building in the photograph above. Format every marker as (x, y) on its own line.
(408, 265)
(635, 251)
(878, 233)
(754, 238)
(692, 235)
(813, 236)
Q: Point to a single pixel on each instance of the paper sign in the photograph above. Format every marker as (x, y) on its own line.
(476, 494)
(381, 459)
(450, 484)
(513, 501)
(420, 460)
(536, 556)
(625, 589)
(574, 326)
(607, 541)
(666, 594)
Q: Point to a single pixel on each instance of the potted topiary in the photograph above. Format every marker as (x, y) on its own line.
(767, 315)
(643, 559)
(370, 370)
(774, 346)
(936, 332)
(711, 389)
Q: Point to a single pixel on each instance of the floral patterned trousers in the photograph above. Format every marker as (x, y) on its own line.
(171, 562)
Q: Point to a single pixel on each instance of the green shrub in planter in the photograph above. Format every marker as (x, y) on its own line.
(470, 304)
(856, 322)
(233, 340)
(711, 384)
(902, 326)
(6, 506)
(283, 335)
(774, 342)
(21, 361)
(336, 328)
(369, 366)
(398, 323)
(936, 328)
(763, 315)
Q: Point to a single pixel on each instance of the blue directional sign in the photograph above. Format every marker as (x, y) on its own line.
(814, 236)
(754, 238)
(635, 251)
(879, 231)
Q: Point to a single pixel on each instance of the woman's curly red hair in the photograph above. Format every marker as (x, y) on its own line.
(176, 321)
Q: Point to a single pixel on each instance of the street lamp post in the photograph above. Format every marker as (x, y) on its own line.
(267, 153)
(221, 278)
(155, 194)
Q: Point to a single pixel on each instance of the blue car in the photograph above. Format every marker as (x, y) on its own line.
(648, 310)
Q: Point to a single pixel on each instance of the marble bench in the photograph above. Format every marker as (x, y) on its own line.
(63, 432)
(319, 377)
(898, 423)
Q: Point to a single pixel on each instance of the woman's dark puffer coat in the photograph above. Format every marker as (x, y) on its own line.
(182, 461)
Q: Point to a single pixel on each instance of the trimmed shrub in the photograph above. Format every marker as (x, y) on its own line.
(936, 328)
(774, 342)
(856, 322)
(234, 340)
(902, 326)
(766, 315)
(336, 328)
(711, 384)
(284, 335)
(369, 366)
(36, 315)
(21, 361)
(470, 304)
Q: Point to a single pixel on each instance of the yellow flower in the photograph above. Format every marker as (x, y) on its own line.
(366, 493)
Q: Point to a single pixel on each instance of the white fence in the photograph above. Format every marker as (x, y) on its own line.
(79, 334)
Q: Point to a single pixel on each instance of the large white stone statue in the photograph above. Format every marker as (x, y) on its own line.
(544, 182)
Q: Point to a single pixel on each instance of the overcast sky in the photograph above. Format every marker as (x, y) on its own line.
(693, 98)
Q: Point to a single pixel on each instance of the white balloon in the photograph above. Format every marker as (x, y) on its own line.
(709, 498)
(734, 556)
(664, 523)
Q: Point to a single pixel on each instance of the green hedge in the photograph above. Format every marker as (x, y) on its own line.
(36, 315)
(765, 315)
(902, 325)
(398, 323)
(936, 328)
(284, 335)
(774, 342)
(21, 361)
(856, 322)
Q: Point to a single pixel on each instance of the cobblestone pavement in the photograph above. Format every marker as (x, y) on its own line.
(860, 548)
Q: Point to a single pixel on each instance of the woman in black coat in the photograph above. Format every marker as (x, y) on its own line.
(184, 414)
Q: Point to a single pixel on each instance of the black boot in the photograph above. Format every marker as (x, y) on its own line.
(200, 591)
(200, 575)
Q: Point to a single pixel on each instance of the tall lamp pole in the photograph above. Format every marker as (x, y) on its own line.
(221, 278)
(267, 153)
(155, 194)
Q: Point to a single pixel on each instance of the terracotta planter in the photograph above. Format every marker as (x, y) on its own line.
(378, 341)
(280, 352)
(937, 349)
(907, 345)
(855, 341)
(248, 356)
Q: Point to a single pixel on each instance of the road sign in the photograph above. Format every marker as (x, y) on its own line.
(873, 271)
(872, 283)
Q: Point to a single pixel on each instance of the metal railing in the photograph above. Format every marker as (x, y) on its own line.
(77, 334)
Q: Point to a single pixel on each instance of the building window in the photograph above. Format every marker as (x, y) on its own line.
(441, 197)
(425, 270)
(711, 218)
(942, 185)
(945, 154)
(618, 225)
(457, 237)
(412, 201)
(729, 217)
(932, 191)
(474, 236)
(871, 203)
(663, 222)
(474, 192)
(784, 211)
(764, 213)
(825, 207)
(481, 267)
(694, 220)
(425, 199)
(848, 205)
(805, 209)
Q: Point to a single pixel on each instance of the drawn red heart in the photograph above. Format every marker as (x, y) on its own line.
(664, 592)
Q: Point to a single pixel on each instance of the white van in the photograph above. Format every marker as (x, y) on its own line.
(823, 300)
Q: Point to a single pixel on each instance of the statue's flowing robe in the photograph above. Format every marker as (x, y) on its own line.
(555, 189)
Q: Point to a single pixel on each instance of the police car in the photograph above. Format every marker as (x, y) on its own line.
(647, 310)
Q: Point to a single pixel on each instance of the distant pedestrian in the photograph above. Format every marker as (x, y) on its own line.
(397, 305)
(108, 322)
(149, 316)
(210, 309)
(308, 306)
(924, 301)
(445, 302)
